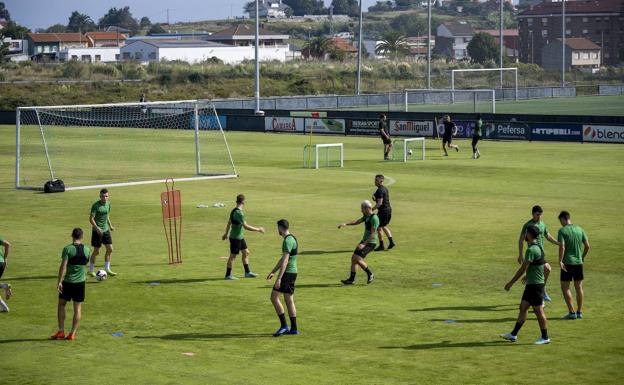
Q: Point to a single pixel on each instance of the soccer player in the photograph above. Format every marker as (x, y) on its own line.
(384, 212)
(366, 245)
(571, 259)
(71, 283)
(533, 266)
(384, 132)
(236, 227)
(286, 269)
(450, 130)
(4, 257)
(536, 220)
(476, 137)
(101, 232)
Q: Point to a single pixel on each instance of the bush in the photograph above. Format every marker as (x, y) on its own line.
(73, 70)
(132, 71)
(195, 77)
(107, 70)
(26, 63)
(2, 76)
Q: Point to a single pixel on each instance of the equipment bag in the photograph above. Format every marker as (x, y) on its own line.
(54, 186)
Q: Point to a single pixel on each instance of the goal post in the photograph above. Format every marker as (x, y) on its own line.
(323, 155)
(120, 144)
(401, 149)
(450, 100)
(477, 70)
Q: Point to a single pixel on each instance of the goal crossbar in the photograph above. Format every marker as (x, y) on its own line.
(316, 148)
(406, 149)
(490, 92)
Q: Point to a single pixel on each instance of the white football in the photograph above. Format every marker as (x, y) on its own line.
(101, 275)
(409, 152)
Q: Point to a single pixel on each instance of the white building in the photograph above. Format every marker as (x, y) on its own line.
(197, 51)
(452, 38)
(90, 54)
(269, 9)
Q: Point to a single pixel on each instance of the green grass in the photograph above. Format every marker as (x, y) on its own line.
(456, 222)
(580, 105)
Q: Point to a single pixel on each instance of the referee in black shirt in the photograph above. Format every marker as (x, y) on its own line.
(384, 212)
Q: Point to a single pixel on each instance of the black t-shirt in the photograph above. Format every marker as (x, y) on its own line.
(383, 128)
(448, 129)
(382, 192)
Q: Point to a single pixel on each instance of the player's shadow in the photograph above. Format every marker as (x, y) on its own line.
(473, 321)
(309, 286)
(469, 308)
(32, 278)
(205, 336)
(23, 340)
(157, 282)
(321, 252)
(451, 345)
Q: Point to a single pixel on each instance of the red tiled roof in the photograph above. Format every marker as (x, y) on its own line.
(580, 6)
(342, 44)
(57, 37)
(106, 35)
(581, 43)
(240, 30)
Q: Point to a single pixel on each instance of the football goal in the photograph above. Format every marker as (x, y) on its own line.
(323, 155)
(406, 149)
(123, 144)
(486, 78)
(451, 101)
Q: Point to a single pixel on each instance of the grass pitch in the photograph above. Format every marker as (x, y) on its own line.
(456, 222)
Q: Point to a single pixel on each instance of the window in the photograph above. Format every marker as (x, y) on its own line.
(595, 55)
(568, 19)
(568, 32)
(585, 32)
(606, 18)
(585, 55)
(606, 55)
(544, 32)
(597, 19)
(138, 55)
(126, 55)
(116, 57)
(98, 58)
(152, 55)
(544, 20)
(577, 55)
(86, 58)
(606, 31)
(74, 57)
(585, 20)
(530, 22)
(39, 49)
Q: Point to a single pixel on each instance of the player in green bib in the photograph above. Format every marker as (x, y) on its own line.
(286, 269)
(573, 249)
(533, 296)
(101, 232)
(236, 227)
(476, 137)
(366, 245)
(71, 283)
(4, 256)
(536, 220)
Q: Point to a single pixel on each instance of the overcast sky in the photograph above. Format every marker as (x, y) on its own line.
(43, 13)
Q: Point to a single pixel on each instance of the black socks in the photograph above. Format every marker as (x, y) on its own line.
(228, 272)
(517, 328)
(246, 266)
(282, 319)
(293, 323)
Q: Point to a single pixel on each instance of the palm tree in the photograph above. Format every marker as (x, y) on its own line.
(318, 47)
(392, 43)
(80, 22)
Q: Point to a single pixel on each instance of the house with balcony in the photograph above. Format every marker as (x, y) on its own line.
(452, 38)
(48, 45)
(106, 39)
(580, 54)
(245, 35)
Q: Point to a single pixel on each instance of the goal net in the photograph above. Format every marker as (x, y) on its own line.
(486, 78)
(92, 146)
(450, 101)
(407, 149)
(323, 155)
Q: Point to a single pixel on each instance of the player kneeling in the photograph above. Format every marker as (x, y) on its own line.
(285, 282)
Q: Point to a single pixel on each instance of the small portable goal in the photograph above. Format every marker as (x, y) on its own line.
(401, 148)
(323, 155)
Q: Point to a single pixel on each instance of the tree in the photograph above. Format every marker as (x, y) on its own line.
(381, 6)
(4, 48)
(482, 48)
(56, 28)
(409, 24)
(145, 23)
(393, 44)
(4, 13)
(318, 47)
(306, 7)
(346, 7)
(80, 22)
(249, 6)
(403, 4)
(15, 31)
(156, 28)
(119, 17)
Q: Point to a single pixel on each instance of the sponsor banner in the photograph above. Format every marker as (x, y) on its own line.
(608, 134)
(208, 122)
(506, 131)
(363, 127)
(309, 114)
(559, 132)
(464, 128)
(411, 128)
(283, 124)
(325, 126)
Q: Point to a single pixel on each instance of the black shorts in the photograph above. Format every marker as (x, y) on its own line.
(534, 294)
(475, 140)
(365, 251)
(98, 241)
(386, 141)
(384, 217)
(73, 292)
(574, 273)
(2, 267)
(287, 283)
(236, 245)
(447, 139)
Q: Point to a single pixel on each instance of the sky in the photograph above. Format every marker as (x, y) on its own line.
(44, 13)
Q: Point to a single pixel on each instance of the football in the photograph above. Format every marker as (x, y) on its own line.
(101, 275)
(409, 152)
